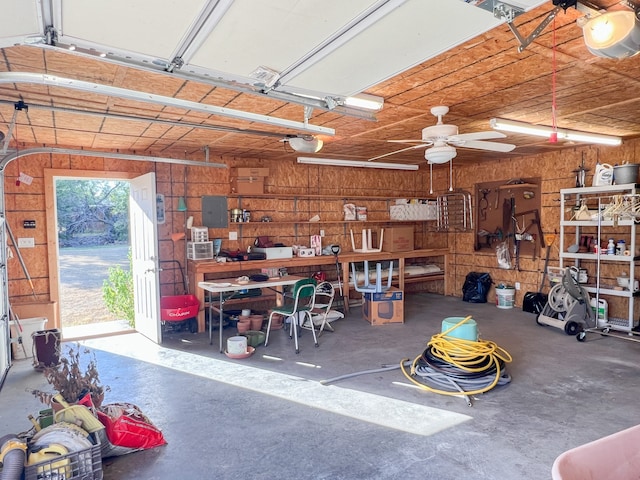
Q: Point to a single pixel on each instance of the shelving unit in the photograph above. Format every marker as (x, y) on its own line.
(607, 267)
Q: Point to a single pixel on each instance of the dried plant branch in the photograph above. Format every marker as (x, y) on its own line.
(74, 377)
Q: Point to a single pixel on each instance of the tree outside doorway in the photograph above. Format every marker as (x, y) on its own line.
(93, 237)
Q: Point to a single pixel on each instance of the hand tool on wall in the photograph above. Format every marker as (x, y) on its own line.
(483, 204)
(20, 259)
(335, 249)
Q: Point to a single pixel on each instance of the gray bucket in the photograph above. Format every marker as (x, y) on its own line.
(627, 173)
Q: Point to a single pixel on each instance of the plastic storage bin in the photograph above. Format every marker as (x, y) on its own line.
(29, 327)
(199, 250)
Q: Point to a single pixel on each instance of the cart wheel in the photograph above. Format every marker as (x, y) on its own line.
(571, 328)
(606, 330)
(581, 337)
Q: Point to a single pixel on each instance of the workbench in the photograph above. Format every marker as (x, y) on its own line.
(208, 270)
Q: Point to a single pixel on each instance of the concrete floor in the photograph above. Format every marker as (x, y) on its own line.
(268, 417)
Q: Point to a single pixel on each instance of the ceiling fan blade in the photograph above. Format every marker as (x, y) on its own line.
(413, 147)
(491, 146)
(405, 141)
(488, 135)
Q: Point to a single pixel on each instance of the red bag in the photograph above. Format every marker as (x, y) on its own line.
(127, 426)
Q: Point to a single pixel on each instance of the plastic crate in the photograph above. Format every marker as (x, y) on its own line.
(199, 234)
(199, 250)
(81, 465)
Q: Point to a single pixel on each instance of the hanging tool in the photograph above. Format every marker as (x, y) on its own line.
(534, 302)
(484, 203)
(335, 249)
(17, 249)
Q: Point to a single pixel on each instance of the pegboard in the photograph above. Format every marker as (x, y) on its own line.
(509, 210)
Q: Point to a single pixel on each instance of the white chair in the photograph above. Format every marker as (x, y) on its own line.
(324, 295)
(368, 287)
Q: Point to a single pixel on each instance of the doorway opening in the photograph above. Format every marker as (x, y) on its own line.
(92, 223)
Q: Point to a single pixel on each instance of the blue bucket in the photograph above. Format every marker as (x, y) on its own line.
(467, 331)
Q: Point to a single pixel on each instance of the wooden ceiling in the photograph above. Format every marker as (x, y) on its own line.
(485, 77)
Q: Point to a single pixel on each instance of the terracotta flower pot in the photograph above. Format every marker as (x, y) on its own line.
(276, 322)
(256, 322)
(243, 326)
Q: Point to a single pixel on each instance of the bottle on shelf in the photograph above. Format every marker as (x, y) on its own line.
(611, 247)
(621, 246)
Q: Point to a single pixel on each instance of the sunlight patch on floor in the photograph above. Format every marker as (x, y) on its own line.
(398, 414)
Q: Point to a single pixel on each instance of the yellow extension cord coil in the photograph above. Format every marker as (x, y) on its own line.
(467, 355)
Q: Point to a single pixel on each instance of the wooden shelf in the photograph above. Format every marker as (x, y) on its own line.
(327, 222)
(294, 196)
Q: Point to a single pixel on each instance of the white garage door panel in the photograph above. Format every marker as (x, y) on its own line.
(274, 34)
(411, 34)
(18, 19)
(148, 27)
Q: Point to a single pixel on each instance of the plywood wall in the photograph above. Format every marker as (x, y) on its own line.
(287, 178)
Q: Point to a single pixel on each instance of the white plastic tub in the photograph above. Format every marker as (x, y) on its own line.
(29, 327)
(615, 457)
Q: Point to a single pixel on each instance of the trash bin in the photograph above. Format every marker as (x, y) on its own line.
(47, 347)
(29, 327)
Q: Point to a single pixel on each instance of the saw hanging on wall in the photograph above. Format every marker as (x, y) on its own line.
(441, 140)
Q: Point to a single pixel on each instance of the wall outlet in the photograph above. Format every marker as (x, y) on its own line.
(517, 285)
(322, 233)
(26, 242)
(233, 235)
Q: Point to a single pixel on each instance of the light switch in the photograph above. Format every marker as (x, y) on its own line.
(26, 242)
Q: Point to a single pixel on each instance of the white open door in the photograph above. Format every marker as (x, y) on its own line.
(144, 253)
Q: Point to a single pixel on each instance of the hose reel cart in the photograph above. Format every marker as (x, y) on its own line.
(568, 306)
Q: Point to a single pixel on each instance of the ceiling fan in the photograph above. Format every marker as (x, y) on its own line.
(441, 140)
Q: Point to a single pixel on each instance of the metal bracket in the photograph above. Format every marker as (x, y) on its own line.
(509, 12)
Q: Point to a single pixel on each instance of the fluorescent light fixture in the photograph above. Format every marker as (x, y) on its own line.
(355, 163)
(612, 35)
(366, 101)
(544, 131)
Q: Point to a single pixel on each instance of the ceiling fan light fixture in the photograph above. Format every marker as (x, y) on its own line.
(442, 154)
(307, 144)
(612, 35)
(547, 132)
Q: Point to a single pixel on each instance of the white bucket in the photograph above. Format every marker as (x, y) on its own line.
(237, 345)
(29, 327)
(505, 297)
(603, 311)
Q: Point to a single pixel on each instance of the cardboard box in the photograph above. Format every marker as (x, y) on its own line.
(383, 308)
(275, 252)
(248, 185)
(243, 172)
(398, 239)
